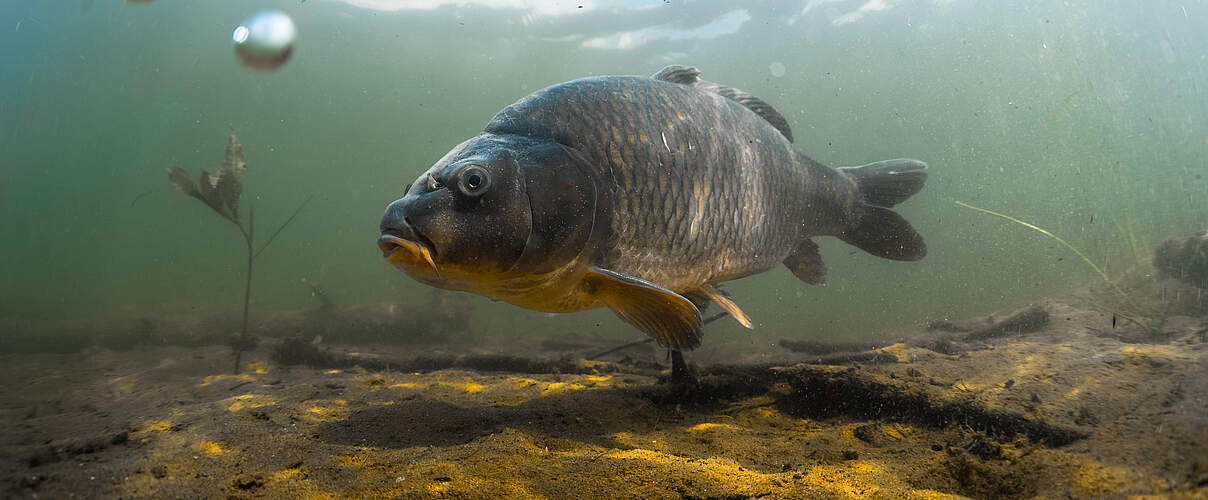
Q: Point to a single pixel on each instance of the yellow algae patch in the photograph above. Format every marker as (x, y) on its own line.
(210, 447)
(845, 479)
(525, 382)
(454, 483)
(381, 403)
(553, 386)
(213, 379)
(767, 412)
(898, 350)
(849, 431)
(351, 460)
(599, 378)
(861, 465)
(896, 431)
(639, 453)
(522, 381)
(332, 372)
(246, 401)
(287, 473)
(930, 495)
(327, 411)
(727, 474)
(1099, 480)
(155, 426)
(1152, 355)
(1147, 350)
(710, 425)
(258, 367)
(465, 386)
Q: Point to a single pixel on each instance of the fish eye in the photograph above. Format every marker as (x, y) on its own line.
(474, 180)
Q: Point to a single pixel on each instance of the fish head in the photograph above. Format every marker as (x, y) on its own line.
(492, 209)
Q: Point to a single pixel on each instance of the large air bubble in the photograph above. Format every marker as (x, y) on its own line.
(265, 41)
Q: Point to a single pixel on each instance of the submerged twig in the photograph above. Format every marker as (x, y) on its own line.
(1032, 319)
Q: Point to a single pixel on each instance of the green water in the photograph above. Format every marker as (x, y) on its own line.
(1087, 118)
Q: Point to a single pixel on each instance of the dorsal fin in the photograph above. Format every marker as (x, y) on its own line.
(687, 75)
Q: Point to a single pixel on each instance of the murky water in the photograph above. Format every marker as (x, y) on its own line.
(1087, 119)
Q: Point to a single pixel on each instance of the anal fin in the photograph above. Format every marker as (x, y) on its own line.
(670, 318)
(723, 301)
(806, 263)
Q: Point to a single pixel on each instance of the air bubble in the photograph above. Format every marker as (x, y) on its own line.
(777, 69)
(265, 41)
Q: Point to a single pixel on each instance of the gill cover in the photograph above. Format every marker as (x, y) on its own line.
(562, 203)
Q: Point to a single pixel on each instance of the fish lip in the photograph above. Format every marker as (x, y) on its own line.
(392, 239)
(389, 243)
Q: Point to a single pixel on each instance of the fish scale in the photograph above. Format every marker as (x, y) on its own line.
(655, 207)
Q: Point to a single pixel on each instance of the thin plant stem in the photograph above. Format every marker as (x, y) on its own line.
(248, 236)
(1045, 232)
(1152, 325)
(706, 321)
(283, 224)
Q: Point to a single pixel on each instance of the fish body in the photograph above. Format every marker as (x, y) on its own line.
(641, 195)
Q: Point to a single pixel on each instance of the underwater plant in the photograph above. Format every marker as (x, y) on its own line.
(221, 192)
(1150, 321)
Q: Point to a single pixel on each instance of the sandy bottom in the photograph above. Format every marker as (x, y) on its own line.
(1064, 411)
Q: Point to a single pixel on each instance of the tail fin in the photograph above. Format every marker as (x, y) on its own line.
(879, 230)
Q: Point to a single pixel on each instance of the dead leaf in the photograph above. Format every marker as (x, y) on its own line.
(222, 190)
(180, 178)
(230, 176)
(209, 194)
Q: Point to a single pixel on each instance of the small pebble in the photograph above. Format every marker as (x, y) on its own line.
(851, 454)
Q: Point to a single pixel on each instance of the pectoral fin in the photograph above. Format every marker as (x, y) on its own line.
(723, 301)
(665, 315)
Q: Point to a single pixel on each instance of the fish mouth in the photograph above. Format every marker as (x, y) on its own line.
(402, 249)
